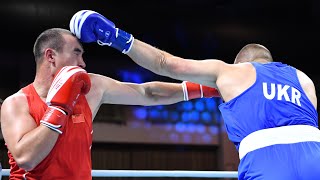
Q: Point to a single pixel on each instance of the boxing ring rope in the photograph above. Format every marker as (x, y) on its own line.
(156, 173)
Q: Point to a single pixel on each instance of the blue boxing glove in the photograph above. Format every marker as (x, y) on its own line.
(90, 26)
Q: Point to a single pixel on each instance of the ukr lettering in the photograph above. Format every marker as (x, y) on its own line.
(280, 92)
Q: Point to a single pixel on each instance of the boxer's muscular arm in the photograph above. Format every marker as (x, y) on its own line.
(150, 93)
(90, 26)
(111, 91)
(204, 72)
(28, 143)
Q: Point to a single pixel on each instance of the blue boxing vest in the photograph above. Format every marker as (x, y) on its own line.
(275, 99)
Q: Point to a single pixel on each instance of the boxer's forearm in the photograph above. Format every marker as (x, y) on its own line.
(151, 58)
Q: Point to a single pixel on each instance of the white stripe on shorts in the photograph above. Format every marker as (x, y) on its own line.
(279, 135)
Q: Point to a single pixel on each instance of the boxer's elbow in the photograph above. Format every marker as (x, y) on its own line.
(26, 163)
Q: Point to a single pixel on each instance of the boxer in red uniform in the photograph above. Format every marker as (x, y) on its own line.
(47, 125)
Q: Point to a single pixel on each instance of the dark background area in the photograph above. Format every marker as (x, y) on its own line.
(196, 29)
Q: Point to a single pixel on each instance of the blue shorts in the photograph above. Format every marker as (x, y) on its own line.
(297, 161)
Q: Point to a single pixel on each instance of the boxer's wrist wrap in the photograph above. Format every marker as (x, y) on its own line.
(123, 41)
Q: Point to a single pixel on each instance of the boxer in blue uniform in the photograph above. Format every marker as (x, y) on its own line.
(269, 107)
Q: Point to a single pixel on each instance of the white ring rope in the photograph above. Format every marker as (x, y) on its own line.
(156, 173)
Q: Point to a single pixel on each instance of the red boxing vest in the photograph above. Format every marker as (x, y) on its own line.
(70, 158)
